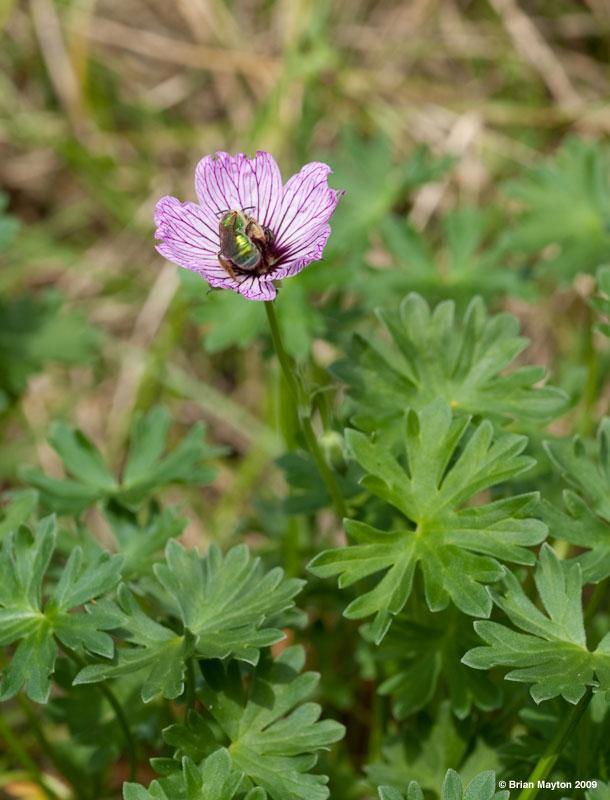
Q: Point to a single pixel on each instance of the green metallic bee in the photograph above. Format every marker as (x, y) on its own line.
(245, 246)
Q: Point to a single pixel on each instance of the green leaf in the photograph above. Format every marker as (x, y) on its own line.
(140, 543)
(481, 787)
(227, 606)
(433, 356)
(456, 546)
(565, 203)
(374, 181)
(214, 779)
(229, 322)
(585, 520)
(226, 602)
(158, 650)
(147, 468)
(419, 653)
(18, 510)
(465, 262)
(551, 653)
(26, 618)
(273, 735)
(35, 331)
(423, 757)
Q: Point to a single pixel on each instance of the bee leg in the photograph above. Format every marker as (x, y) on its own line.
(227, 266)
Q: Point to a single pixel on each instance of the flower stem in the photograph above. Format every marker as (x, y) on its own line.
(21, 755)
(301, 398)
(118, 712)
(555, 747)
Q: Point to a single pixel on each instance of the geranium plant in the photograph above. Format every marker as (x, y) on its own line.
(416, 610)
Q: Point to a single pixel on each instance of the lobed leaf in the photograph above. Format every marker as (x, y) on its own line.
(431, 356)
(481, 787)
(585, 519)
(226, 607)
(215, 779)
(146, 469)
(272, 733)
(458, 547)
(549, 651)
(36, 622)
(422, 652)
(565, 202)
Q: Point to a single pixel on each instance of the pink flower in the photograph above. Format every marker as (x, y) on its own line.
(284, 228)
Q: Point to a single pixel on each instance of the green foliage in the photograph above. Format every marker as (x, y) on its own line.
(434, 356)
(464, 263)
(456, 546)
(17, 511)
(141, 541)
(551, 654)
(34, 331)
(227, 323)
(381, 92)
(273, 735)
(374, 182)
(585, 522)
(565, 202)
(424, 753)
(481, 787)
(215, 779)
(226, 606)
(146, 469)
(36, 615)
(424, 650)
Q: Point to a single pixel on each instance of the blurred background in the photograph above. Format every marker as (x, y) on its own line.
(468, 133)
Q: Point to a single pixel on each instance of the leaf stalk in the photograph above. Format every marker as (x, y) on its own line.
(555, 747)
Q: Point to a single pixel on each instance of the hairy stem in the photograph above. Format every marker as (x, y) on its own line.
(555, 747)
(301, 397)
(118, 712)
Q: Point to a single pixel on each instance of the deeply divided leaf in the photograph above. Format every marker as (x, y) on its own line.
(432, 355)
(458, 546)
(549, 650)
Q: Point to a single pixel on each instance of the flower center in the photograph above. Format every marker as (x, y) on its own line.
(246, 247)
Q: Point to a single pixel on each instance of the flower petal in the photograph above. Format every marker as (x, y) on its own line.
(304, 255)
(228, 183)
(301, 228)
(188, 239)
(257, 288)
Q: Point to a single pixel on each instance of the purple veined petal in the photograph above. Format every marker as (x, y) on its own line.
(257, 288)
(188, 240)
(293, 263)
(307, 204)
(227, 183)
(297, 215)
